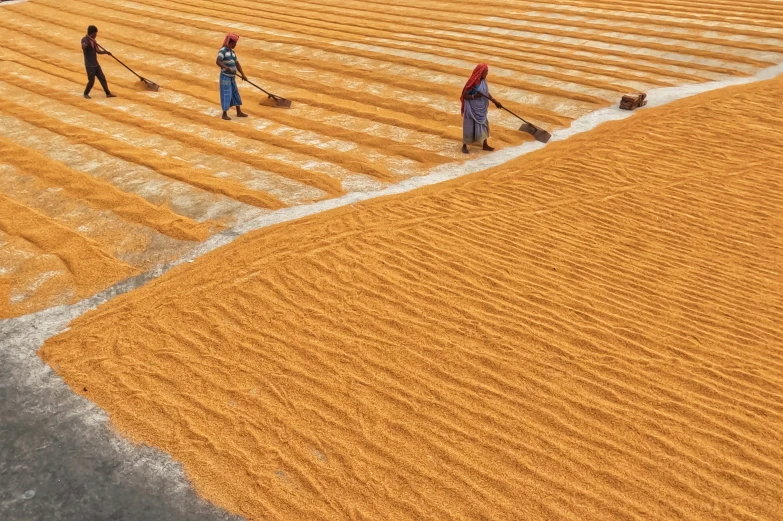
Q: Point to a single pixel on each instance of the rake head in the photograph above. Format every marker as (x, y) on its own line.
(150, 85)
(539, 133)
(281, 102)
(277, 100)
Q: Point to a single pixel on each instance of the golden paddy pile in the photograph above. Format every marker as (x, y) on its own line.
(582, 334)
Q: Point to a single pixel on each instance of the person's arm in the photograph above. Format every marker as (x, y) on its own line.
(479, 95)
(472, 94)
(493, 100)
(241, 72)
(220, 63)
(98, 48)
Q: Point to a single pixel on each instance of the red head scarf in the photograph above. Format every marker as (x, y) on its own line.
(230, 37)
(474, 80)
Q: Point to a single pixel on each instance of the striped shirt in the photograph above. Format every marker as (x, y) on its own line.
(229, 59)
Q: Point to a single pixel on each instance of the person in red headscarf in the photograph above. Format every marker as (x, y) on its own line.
(229, 66)
(475, 100)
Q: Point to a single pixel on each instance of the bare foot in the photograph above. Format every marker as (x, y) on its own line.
(87, 96)
(225, 116)
(465, 149)
(241, 114)
(488, 148)
(111, 95)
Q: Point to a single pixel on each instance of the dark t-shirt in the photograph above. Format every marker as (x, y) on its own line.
(90, 54)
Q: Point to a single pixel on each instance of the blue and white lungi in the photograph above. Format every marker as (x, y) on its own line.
(229, 92)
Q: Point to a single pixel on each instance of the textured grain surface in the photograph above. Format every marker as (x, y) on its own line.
(592, 332)
(375, 87)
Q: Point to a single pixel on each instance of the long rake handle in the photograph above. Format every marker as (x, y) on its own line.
(262, 90)
(118, 60)
(504, 108)
(520, 117)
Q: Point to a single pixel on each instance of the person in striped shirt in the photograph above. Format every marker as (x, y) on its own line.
(229, 66)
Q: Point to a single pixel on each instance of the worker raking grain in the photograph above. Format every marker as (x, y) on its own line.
(229, 66)
(91, 50)
(475, 104)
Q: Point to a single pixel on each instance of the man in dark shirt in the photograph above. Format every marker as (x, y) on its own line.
(91, 51)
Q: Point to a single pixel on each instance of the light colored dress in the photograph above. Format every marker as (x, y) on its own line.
(475, 126)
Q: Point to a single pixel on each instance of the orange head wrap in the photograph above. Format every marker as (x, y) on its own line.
(474, 80)
(230, 37)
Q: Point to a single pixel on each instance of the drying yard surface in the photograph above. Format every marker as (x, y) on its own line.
(92, 191)
(590, 332)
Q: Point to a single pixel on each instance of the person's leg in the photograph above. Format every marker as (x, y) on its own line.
(225, 95)
(236, 100)
(467, 131)
(485, 134)
(101, 78)
(90, 81)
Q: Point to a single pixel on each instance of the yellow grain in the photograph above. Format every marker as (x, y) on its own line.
(589, 332)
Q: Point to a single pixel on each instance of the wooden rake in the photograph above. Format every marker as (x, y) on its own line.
(537, 132)
(279, 101)
(149, 84)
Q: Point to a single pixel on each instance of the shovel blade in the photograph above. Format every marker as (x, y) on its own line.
(154, 87)
(282, 102)
(539, 133)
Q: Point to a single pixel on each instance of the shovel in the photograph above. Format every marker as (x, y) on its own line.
(537, 132)
(150, 85)
(279, 101)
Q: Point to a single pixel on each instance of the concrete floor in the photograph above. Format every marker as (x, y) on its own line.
(60, 460)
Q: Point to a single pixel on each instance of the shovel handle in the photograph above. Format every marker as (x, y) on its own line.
(504, 108)
(118, 60)
(262, 90)
(259, 88)
(520, 117)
